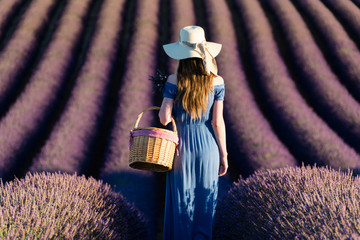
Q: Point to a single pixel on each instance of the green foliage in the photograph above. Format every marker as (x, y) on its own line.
(291, 203)
(62, 206)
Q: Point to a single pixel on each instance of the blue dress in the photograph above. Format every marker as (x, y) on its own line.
(192, 185)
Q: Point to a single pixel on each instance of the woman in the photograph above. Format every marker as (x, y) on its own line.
(195, 97)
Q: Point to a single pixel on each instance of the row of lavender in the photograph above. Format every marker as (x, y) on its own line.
(304, 131)
(16, 53)
(327, 136)
(285, 103)
(344, 52)
(256, 145)
(26, 118)
(68, 145)
(6, 9)
(327, 94)
(270, 122)
(134, 96)
(73, 137)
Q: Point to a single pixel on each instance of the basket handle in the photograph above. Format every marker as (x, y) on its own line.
(153, 108)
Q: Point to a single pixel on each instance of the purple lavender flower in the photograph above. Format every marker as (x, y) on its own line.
(291, 203)
(63, 206)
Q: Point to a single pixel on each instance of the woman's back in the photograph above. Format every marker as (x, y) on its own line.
(183, 117)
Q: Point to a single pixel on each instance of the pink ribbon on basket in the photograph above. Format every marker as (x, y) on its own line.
(153, 133)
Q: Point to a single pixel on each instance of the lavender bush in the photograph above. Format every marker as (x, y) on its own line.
(26, 117)
(307, 134)
(343, 50)
(17, 51)
(63, 206)
(67, 149)
(329, 97)
(255, 139)
(291, 203)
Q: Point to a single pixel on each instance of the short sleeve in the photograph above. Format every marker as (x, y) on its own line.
(170, 90)
(219, 92)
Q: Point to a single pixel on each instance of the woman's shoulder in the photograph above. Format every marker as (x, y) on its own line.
(172, 78)
(218, 81)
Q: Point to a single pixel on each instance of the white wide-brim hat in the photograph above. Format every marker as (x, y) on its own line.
(192, 43)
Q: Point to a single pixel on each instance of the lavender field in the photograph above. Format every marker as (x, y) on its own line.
(74, 75)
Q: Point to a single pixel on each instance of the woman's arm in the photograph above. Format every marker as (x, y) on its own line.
(167, 104)
(220, 135)
(165, 111)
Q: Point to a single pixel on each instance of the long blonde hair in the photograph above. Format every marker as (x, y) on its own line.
(194, 86)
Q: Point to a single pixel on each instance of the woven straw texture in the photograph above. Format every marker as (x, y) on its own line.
(152, 153)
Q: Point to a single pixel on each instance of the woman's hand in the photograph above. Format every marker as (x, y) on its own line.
(223, 166)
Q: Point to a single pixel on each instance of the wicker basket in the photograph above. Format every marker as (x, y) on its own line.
(152, 148)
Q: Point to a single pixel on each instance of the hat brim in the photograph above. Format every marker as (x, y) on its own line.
(181, 51)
